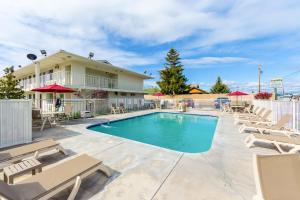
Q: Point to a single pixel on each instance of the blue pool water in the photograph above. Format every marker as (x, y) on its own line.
(180, 132)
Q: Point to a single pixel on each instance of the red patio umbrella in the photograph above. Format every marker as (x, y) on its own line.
(237, 93)
(54, 88)
(158, 94)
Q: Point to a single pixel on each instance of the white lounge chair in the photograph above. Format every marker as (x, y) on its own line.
(256, 111)
(114, 110)
(276, 140)
(226, 108)
(260, 119)
(255, 114)
(249, 109)
(275, 128)
(277, 177)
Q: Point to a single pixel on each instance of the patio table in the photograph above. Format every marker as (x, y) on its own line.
(55, 115)
(237, 107)
(20, 168)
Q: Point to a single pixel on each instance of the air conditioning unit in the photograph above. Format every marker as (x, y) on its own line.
(85, 114)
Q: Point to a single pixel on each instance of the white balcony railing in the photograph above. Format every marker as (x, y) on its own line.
(59, 77)
(65, 78)
(100, 82)
(27, 84)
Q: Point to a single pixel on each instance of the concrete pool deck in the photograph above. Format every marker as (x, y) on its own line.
(146, 172)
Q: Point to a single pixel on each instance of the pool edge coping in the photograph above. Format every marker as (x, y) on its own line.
(145, 114)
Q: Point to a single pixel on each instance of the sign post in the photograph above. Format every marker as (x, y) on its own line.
(275, 84)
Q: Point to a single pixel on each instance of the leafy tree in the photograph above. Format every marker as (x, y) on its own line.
(172, 80)
(219, 87)
(9, 88)
(151, 90)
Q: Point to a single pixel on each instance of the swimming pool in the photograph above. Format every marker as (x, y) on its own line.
(180, 132)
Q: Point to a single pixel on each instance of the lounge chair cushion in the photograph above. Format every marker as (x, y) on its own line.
(279, 176)
(7, 192)
(26, 149)
(278, 138)
(42, 183)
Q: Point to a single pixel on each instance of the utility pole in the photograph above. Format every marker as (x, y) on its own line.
(259, 76)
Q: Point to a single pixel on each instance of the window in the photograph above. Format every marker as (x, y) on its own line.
(50, 74)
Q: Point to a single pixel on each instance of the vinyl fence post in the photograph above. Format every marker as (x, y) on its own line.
(294, 115)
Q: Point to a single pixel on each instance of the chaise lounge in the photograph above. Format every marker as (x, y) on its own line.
(254, 115)
(277, 176)
(276, 140)
(54, 180)
(275, 128)
(18, 153)
(262, 118)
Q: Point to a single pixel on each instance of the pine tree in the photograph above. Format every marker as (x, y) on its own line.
(219, 87)
(9, 88)
(172, 80)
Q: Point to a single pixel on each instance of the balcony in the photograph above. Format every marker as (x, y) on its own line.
(100, 82)
(59, 77)
(27, 84)
(83, 81)
(77, 81)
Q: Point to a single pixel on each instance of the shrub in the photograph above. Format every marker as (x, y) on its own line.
(263, 95)
(76, 115)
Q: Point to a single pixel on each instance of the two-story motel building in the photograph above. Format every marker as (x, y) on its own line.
(93, 79)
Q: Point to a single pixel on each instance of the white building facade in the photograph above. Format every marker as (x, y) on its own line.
(94, 80)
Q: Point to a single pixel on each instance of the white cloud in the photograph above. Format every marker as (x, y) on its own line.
(77, 26)
(198, 62)
(229, 82)
(81, 26)
(254, 19)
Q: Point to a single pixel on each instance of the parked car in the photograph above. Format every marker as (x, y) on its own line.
(189, 102)
(221, 100)
(149, 104)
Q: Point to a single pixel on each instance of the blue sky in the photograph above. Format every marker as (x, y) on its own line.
(215, 38)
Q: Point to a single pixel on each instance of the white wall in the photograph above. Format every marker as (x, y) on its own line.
(15, 122)
(77, 75)
(130, 82)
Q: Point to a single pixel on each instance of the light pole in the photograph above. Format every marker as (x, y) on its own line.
(259, 76)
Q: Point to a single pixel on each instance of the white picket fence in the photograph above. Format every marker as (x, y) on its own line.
(15, 122)
(279, 108)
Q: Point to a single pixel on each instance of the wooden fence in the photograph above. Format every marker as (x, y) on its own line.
(15, 122)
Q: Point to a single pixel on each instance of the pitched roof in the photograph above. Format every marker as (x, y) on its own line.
(63, 56)
(194, 90)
